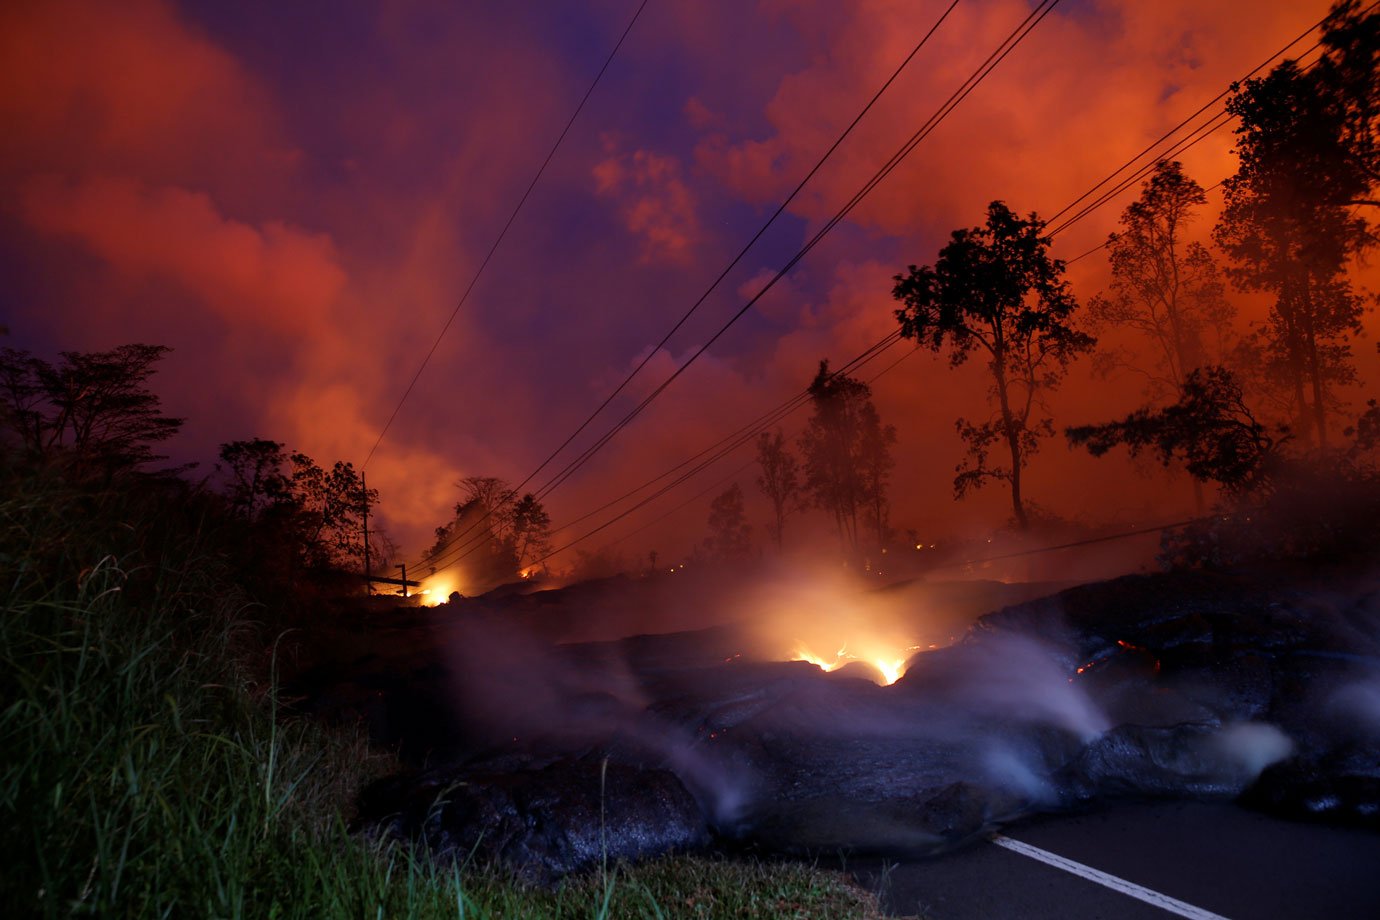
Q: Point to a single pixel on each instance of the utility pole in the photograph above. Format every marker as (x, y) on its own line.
(403, 566)
(368, 585)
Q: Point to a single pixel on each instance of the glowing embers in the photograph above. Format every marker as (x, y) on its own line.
(1123, 655)
(885, 666)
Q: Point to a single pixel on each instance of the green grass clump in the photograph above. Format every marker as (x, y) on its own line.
(145, 770)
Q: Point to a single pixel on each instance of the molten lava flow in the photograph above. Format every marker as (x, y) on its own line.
(805, 615)
(888, 666)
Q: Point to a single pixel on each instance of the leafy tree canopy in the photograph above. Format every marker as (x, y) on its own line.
(995, 290)
(1209, 430)
(91, 410)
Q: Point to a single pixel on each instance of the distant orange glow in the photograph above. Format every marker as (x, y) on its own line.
(437, 589)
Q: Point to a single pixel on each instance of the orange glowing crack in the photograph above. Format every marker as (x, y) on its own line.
(890, 668)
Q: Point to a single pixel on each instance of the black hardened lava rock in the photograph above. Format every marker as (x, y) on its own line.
(544, 822)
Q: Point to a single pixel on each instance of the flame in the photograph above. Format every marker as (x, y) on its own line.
(437, 589)
(885, 662)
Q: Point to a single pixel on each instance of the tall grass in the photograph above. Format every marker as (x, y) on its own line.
(146, 771)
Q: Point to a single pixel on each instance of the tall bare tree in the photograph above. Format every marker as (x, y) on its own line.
(779, 480)
(730, 535)
(1165, 286)
(876, 464)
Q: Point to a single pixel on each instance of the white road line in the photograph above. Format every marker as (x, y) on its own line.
(1149, 896)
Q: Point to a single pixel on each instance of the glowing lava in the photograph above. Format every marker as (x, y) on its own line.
(888, 666)
(437, 589)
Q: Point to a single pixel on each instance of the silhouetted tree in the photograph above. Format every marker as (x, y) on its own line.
(312, 514)
(779, 480)
(483, 514)
(995, 289)
(1209, 429)
(1349, 76)
(840, 446)
(1164, 287)
(1365, 434)
(494, 535)
(328, 505)
(494, 497)
(257, 480)
(730, 535)
(531, 531)
(91, 411)
(1294, 211)
(876, 464)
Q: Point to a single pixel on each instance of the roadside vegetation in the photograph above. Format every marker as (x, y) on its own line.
(147, 768)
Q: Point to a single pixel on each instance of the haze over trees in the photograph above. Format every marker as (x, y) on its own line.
(847, 456)
(495, 534)
(1165, 287)
(1294, 219)
(93, 416)
(1294, 212)
(995, 290)
(779, 480)
(730, 535)
(531, 531)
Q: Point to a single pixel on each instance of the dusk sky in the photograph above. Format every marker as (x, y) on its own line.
(294, 196)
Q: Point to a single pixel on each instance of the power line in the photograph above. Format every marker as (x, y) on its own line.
(560, 478)
(733, 263)
(995, 58)
(1195, 136)
(703, 466)
(503, 233)
(1107, 242)
(1174, 130)
(761, 423)
(1204, 130)
(1214, 124)
(1222, 118)
(969, 85)
(1089, 541)
(719, 449)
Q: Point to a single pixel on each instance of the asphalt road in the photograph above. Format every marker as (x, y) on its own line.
(1214, 857)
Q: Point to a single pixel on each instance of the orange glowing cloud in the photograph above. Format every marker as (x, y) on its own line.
(273, 276)
(133, 87)
(1086, 90)
(653, 200)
